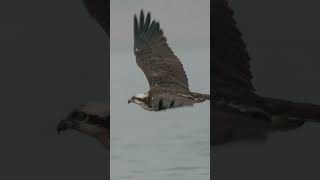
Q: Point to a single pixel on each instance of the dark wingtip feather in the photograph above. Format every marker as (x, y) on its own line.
(149, 15)
(151, 28)
(141, 21)
(144, 29)
(147, 22)
(135, 24)
(157, 28)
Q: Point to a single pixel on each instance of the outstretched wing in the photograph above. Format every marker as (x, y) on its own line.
(99, 9)
(231, 68)
(154, 56)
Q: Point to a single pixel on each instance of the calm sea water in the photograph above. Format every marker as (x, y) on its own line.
(173, 144)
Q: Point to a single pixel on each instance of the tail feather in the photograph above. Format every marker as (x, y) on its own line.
(285, 124)
(201, 97)
(206, 96)
(294, 110)
(288, 115)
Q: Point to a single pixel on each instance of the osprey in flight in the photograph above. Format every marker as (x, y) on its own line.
(239, 113)
(92, 118)
(167, 79)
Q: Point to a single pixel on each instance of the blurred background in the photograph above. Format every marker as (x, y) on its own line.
(283, 41)
(53, 58)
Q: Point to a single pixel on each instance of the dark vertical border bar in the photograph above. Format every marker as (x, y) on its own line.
(211, 86)
(108, 73)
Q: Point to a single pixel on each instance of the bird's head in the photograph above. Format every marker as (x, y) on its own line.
(134, 99)
(140, 99)
(92, 119)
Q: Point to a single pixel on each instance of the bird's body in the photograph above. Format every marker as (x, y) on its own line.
(238, 112)
(167, 79)
(160, 98)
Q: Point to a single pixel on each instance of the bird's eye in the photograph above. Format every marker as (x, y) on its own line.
(74, 114)
(78, 115)
(81, 115)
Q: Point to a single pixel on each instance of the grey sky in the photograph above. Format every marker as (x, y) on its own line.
(184, 21)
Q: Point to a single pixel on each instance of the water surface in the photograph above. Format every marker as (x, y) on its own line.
(172, 144)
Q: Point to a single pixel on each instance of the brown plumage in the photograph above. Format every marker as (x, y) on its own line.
(166, 76)
(239, 113)
(154, 56)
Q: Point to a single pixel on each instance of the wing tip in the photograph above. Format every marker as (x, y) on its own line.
(145, 27)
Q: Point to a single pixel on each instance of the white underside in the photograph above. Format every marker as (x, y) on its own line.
(170, 101)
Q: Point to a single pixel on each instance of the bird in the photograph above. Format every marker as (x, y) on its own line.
(92, 118)
(239, 113)
(168, 82)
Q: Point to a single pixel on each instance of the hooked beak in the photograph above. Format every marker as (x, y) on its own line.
(64, 125)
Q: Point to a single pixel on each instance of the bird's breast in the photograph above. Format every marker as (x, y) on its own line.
(163, 102)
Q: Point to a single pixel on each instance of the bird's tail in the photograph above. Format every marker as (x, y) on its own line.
(206, 96)
(291, 115)
(201, 97)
